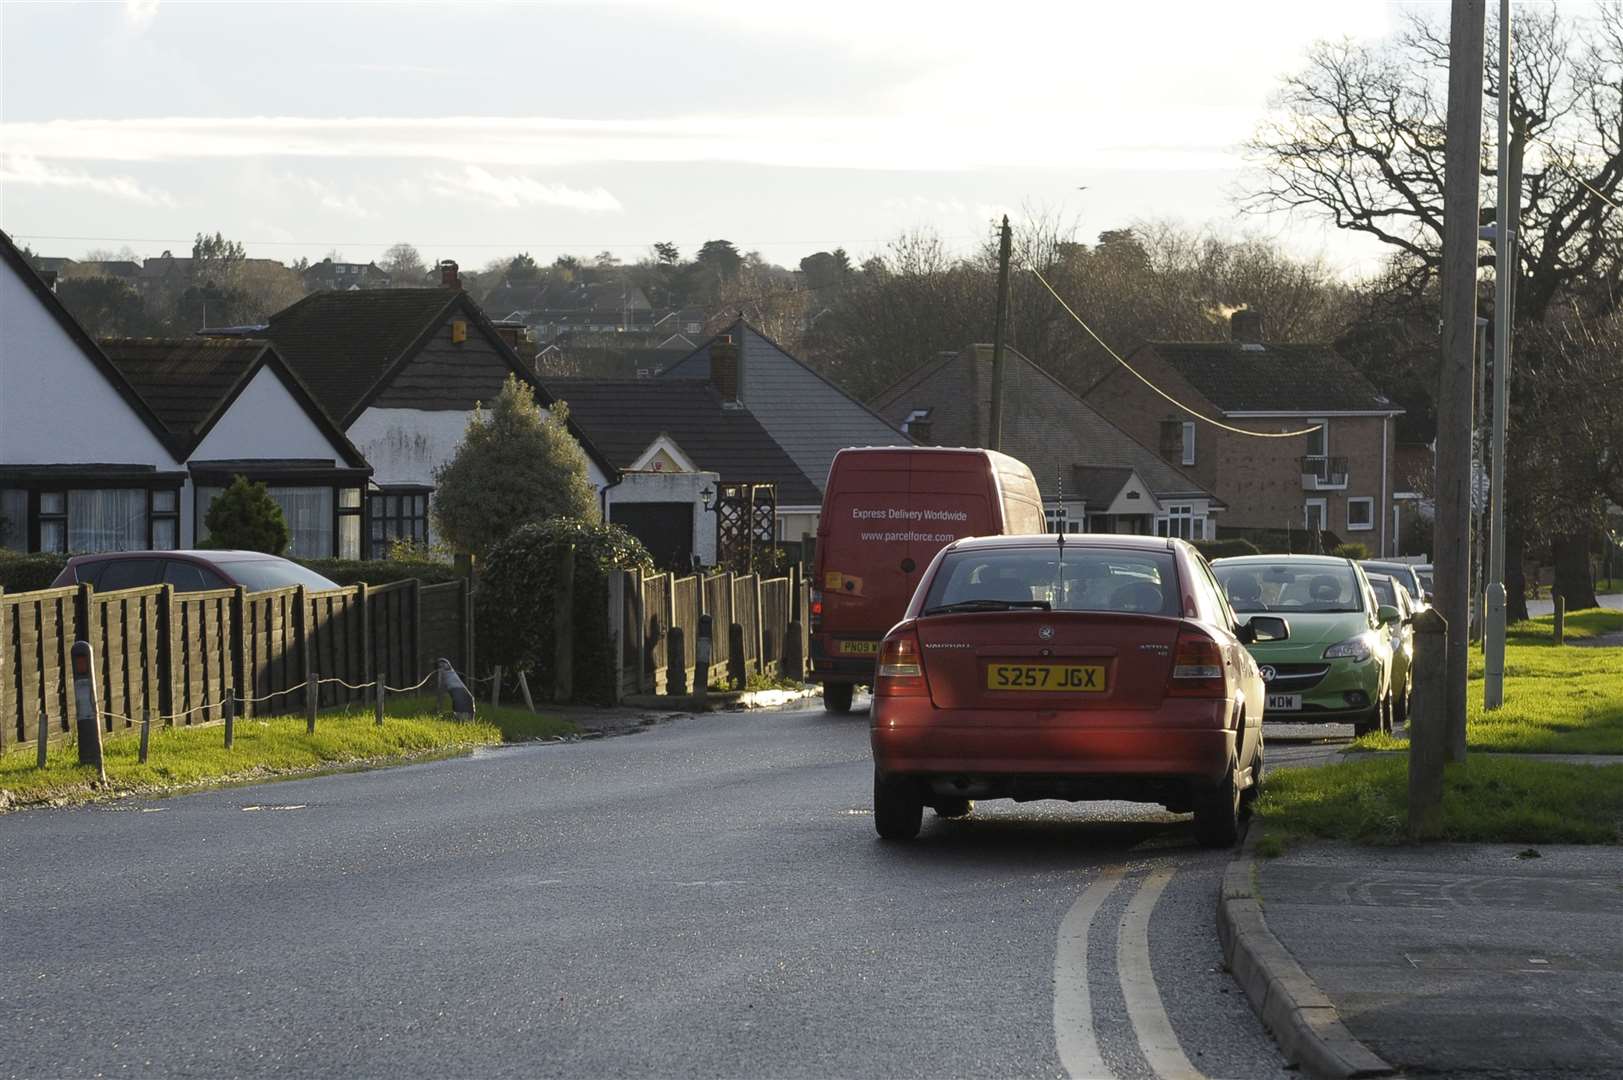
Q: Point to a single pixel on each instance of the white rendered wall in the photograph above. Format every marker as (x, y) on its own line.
(55, 407)
(405, 446)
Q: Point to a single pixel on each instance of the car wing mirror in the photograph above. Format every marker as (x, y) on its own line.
(1386, 615)
(1261, 628)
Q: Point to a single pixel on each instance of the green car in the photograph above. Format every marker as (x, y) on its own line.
(1336, 667)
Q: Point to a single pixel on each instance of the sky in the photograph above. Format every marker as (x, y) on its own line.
(477, 130)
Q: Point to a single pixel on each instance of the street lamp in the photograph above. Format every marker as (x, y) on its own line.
(1506, 218)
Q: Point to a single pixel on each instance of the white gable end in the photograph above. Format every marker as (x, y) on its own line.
(265, 421)
(55, 406)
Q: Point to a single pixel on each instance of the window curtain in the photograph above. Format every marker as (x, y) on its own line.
(109, 519)
(14, 519)
(309, 513)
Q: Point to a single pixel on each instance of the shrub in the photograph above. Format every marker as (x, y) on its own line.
(1226, 549)
(24, 573)
(245, 518)
(516, 464)
(1352, 549)
(513, 602)
(380, 571)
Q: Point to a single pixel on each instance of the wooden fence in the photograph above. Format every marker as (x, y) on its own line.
(643, 609)
(175, 655)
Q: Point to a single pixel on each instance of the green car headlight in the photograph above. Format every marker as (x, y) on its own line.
(1354, 648)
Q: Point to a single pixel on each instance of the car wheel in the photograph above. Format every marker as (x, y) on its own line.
(954, 808)
(1400, 714)
(1217, 812)
(1367, 723)
(1388, 708)
(1248, 797)
(837, 697)
(897, 809)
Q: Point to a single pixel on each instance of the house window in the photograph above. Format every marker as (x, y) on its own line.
(53, 521)
(1181, 521)
(1315, 518)
(323, 520)
(1057, 519)
(1189, 442)
(1360, 514)
(90, 520)
(14, 519)
(1318, 440)
(164, 511)
(398, 514)
(349, 523)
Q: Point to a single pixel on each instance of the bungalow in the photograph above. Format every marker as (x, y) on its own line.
(672, 440)
(90, 462)
(804, 413)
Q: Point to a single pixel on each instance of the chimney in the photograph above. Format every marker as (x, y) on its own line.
(448, 275)
(1245, 327)
(724, 367)
(49, 277)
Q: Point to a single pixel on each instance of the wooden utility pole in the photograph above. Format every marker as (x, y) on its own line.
(999, 329)
(1461, 177)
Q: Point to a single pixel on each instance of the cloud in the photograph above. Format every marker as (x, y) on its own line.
(328, 197)
(29, 170)
(138, 14)
(514, 190)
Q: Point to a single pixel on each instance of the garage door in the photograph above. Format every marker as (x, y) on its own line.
(665, 529)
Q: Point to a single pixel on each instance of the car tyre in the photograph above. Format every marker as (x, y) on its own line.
(1400, 713)
(1366, 724)
(1217, 812)
(898, 812)
(954, 808)
(1388, 709)
(837, 697)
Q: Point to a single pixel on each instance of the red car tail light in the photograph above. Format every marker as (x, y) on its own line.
(1197, 667)
(900, 673)
(816, 624)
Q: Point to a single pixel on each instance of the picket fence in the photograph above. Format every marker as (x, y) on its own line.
(644, 608)
(175, 655)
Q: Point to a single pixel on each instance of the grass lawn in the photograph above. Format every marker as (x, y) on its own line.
(1559, 699)
(1485, 800)
(191, 757)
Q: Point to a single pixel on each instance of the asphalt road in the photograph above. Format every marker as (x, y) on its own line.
(703, 899)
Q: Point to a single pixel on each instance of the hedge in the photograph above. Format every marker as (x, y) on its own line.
(380, 571)
(513, 601)
(24, 573)
(1226, 549)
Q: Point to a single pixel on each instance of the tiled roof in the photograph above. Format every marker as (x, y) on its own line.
(183, 379)
(1272, 378)
(623, 417)
(1098, 484)
(810, 417)
(1045, 424)
(342, 343)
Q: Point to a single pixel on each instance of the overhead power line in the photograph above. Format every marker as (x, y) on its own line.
(1139, 376)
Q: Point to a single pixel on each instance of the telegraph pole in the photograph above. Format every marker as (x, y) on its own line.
(1507, 222)
(1461, 181)
(1005, 240)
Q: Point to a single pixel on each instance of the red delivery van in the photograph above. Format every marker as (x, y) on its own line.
(886, 512)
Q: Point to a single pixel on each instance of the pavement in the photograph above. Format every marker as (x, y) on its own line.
(1462, 960)
(705, 897)
(1546, 606)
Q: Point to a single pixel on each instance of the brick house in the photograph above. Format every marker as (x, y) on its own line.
(1338, 478)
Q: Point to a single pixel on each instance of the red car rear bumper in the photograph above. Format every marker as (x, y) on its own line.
(1189, 739)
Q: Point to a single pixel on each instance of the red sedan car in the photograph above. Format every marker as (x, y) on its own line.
(1069, 667)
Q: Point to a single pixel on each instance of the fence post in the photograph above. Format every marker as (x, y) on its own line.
(414, 592)
(87, 701)
(229, 709)
(524, 691)
(378, 719)
(704, 651)
(676, 662)
(617, 632)
(1428, 735)
(736, 671)
(167, 696)
(146, 734)
(639, 611)
(301, 629)
(1560, 619)
(363, 598)
(760, 633)
(239, 639)
(496, 686)
(467, 625)
(563, 628)
(794, 659)
(42, 736)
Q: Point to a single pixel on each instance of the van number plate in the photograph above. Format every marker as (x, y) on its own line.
(1284, 703)
(859, 648)
(1067, 678)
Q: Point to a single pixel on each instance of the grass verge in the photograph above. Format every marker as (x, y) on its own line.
(182, 758)
(1485, 800)
(1559, 699)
